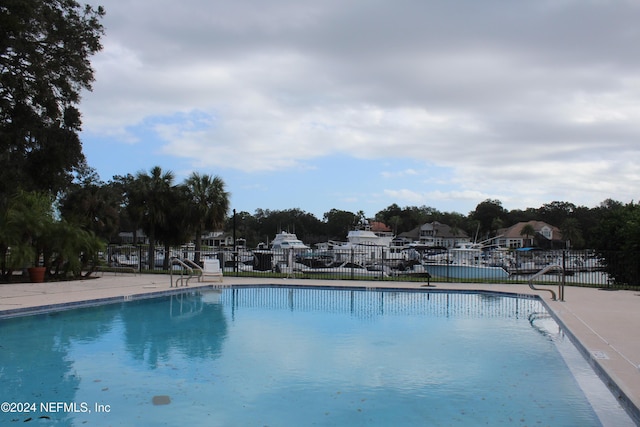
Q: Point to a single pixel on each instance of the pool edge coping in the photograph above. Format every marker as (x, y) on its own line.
(619, 394)
(70, 305)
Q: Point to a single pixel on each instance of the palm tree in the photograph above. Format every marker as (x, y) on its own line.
(177, 228)
(71, 249)
(92, 207)
(133, 199)
(210, 204)
(571, 233)
(528, 231)
(155, 189)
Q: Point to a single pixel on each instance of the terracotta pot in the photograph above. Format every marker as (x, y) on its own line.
(36, 274)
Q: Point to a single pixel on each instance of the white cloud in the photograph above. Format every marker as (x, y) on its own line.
(523, 101)
(428, 198)
(400, 174)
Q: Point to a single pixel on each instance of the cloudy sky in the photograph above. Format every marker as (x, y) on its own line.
(358, 104)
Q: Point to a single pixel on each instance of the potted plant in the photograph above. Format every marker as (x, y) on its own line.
(33, 240)
(28, 219)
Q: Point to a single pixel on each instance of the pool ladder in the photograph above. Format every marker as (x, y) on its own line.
(187, 265)
(545, 270)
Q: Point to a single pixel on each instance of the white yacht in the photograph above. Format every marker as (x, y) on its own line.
(367, 247)
(286, 240)
(368, 238)
(285, 248)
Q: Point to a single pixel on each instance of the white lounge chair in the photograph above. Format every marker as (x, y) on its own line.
(211, 271)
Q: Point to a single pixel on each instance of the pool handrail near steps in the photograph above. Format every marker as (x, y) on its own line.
(545, 270)
(184, 264)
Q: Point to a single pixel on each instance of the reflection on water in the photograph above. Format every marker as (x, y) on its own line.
(363, 304)
(189, 325)
(294, 356)
(40, 355)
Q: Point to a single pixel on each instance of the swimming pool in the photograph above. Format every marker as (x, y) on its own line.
(299, 356)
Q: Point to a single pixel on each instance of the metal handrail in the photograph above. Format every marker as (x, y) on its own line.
(546, 270)
(184, 264)
(191, 264)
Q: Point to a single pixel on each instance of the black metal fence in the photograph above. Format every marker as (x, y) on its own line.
(581, 268)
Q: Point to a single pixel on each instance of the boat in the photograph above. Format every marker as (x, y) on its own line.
(531, 260)
(367, 237)
(458, 271)
(125, 257)
(366, 246)
(465, 261)
(284, 250)
(286, 240)
(343, 268)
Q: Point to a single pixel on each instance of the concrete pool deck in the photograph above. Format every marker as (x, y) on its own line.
(605, 322)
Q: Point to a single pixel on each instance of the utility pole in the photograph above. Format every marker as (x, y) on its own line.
(235, 247)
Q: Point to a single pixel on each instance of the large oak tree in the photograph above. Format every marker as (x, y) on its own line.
(45, 46)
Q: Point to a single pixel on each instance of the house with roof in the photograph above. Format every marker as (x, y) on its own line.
(217, 239)
(433, 234)
(127, 237)
(546, 236)
(380, 229)
(438, 234)
(406, 237)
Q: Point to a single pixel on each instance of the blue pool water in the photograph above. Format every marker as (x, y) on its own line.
(279, 356)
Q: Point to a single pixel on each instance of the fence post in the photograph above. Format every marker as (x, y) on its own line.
(352, 260)
(563, 281)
